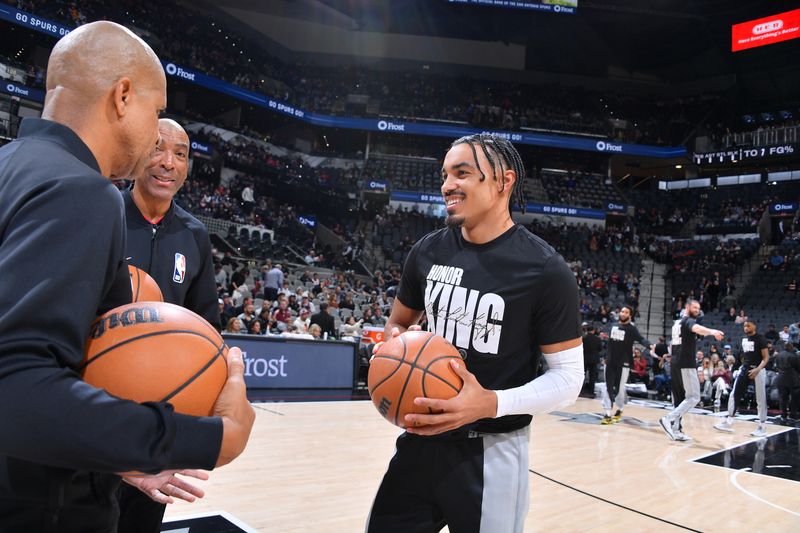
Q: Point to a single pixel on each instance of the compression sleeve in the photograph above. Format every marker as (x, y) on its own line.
(557, 387)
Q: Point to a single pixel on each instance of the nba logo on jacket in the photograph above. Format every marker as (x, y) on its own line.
(179, 272)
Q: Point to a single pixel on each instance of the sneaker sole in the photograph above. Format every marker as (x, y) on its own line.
(724, 430)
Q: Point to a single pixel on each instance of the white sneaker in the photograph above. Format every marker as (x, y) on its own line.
(760, 431)
(725, 426)
(666, 425)
(682, 437)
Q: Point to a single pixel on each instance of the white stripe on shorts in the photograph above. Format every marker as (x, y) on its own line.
(506, 492)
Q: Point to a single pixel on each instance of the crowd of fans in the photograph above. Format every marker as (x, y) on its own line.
(204, 43)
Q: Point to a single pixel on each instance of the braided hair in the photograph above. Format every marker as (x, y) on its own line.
(500, 153)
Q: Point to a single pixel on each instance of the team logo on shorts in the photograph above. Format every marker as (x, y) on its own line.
(179, 272)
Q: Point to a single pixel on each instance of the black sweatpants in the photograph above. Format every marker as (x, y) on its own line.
(471, 484)
(137, 512)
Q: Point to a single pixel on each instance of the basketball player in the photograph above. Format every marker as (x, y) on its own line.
(684, 342)
(62, 260)
(173, 247)
(618, 364)
(503, 296)
(755, 358)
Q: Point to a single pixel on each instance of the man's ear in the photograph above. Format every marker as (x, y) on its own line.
(122, 94)
(509, 179)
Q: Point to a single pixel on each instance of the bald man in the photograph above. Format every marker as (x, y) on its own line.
(173, 247)
(62, 258)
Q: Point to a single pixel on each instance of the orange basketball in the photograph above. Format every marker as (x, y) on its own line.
(416, 364)
(143, 286)
(157, 352)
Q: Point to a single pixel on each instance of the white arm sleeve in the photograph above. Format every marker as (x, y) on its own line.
(557, 387)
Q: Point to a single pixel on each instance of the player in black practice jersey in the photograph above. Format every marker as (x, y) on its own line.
(502, 296)
(618, 364)
(756, 357)
(684, 348)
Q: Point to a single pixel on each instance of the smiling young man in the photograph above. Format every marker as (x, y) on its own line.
(502, 296)
(173, 247)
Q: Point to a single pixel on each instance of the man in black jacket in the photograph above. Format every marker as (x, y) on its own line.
(324, 320)
(62, 248)
(173, 247)
(788, 381)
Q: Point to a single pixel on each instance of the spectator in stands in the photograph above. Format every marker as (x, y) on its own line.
(351, 327)
(771, 334)
(699, 358)
(234, 326)
(721, 382)
(302, 322)
(227, 309)
(255, 328)
(248, 316)
(324, 320)
(378, 318)
(220, 276)
(239, 309)
(784, 334)
(663, 378)
(706, 374)
(640, 372)
(730, 316)
(347, 302)
(741, 318)
(794, 333)
(316, 331)
(273, 282)
(282, 315)
(264, 316)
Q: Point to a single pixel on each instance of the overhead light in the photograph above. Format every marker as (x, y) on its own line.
(678, 166)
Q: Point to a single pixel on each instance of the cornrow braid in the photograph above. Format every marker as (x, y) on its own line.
(500, 153)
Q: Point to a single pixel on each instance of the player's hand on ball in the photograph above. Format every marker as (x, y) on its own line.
(235, 410)
(165, 486)
(718, 334)
(471, 404)
(395, 333)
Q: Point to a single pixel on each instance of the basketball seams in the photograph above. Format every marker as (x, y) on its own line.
(400, 363)
(426, 371)
(144, 336)
(196, 375)
(410, 372)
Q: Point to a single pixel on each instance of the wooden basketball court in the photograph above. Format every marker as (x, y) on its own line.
(315, 467)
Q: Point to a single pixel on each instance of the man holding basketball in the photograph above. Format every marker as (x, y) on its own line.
(62, 233)
(173, 247)
(503, 297)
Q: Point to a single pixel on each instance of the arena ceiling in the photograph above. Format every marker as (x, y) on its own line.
(670, 41)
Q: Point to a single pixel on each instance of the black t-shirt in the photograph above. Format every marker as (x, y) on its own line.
(620, 344)
(684, 343)
(751, 349)
(497, 302)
